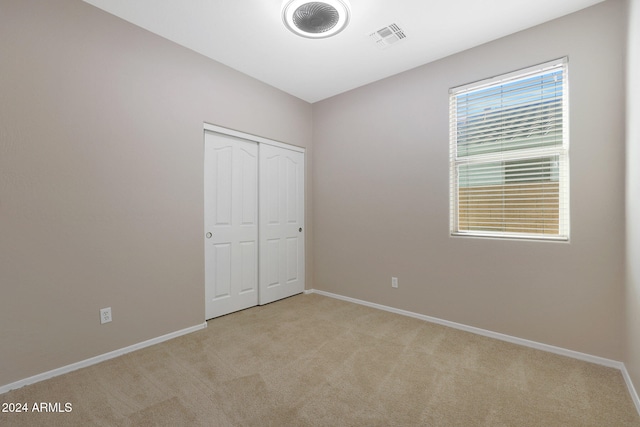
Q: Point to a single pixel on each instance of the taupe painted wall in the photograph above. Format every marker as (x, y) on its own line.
(632, 356)
(101, 179)
(381, 196)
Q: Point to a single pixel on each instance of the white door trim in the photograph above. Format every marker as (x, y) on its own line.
(250, 137)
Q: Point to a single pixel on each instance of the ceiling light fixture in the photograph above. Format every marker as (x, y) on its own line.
(316, 19)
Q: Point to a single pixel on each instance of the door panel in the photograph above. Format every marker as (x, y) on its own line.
(292, 259)
(222, 268)
(270, 187)
(271, 263)
(249, 268)
(222, 188)
(282, 223)
(292, 171)
(249, 187)
(231, 216)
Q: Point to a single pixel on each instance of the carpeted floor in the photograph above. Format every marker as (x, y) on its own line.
(315, 361)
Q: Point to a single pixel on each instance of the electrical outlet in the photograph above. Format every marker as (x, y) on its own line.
(394, 282)
(105, 315)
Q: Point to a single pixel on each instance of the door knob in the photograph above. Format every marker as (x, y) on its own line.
(300, 229)
(209, 235)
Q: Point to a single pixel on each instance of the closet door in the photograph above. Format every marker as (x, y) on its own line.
(281, 223)
(231, 224)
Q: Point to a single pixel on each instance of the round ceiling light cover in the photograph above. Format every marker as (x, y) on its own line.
(315, 19)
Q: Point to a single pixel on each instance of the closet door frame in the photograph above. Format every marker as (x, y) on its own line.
(254, 138)
(260, 140)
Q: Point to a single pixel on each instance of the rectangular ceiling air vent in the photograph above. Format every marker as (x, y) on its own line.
(387, 36)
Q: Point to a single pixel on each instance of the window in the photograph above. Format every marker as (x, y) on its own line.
(509, 148)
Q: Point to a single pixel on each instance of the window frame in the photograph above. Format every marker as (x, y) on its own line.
(509, 155)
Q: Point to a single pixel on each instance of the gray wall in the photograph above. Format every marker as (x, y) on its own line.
(632, 356)
(381, 196)
(101, 179)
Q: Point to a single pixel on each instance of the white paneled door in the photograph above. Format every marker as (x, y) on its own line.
(231, 224)
(254, 223)
(281, 223)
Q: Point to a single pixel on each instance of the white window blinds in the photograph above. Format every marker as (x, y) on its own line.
(509, 166)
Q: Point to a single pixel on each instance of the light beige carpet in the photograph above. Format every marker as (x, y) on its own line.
(316, 361)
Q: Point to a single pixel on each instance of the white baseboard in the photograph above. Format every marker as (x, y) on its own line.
(632, 389)
(97, 359)
(514, 340)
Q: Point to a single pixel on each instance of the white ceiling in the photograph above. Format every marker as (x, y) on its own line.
(249, 36)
